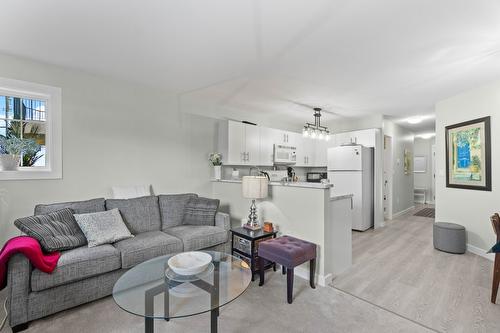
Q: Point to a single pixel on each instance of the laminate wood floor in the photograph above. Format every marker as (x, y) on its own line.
(398, 269)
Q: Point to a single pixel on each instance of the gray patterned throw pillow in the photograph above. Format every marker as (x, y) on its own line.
(56, 231)
(200, 211)
(103, 227)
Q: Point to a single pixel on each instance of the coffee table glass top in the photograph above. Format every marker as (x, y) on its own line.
(152, 290)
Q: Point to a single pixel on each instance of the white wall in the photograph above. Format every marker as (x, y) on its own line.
(402, 184)
(114, 133)
(467, 207)
(423, 147)
(356, 123)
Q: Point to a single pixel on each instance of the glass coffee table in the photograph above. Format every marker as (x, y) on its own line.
(153, 291)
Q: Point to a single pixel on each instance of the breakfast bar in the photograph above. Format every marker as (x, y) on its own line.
(303, 210)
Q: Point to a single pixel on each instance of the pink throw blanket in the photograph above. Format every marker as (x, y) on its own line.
(32, 250)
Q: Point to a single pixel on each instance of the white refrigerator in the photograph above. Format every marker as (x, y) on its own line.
(350, 170)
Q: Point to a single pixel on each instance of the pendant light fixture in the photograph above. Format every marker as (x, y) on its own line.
(316, 131)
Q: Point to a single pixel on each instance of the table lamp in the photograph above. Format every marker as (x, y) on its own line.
(254, 187)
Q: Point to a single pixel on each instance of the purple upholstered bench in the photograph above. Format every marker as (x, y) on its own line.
(289, 252)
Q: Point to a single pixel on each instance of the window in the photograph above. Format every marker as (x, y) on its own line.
(32, 112)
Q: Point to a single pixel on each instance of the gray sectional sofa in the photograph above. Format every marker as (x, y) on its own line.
(85, 274)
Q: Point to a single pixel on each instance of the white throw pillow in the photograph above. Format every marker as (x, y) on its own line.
(103, 227)
(128, 192)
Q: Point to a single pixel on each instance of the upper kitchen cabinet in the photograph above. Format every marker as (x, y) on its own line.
(239, 143)
(284, 137)
(320, 153)
(362, 137)
(305, 150)
(268, 137)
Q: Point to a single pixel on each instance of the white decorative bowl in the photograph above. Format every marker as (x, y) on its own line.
(190, 263)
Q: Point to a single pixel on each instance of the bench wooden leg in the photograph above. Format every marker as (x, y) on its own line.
(289, 285)
(312, 271)
(496, 279)
(261, 271)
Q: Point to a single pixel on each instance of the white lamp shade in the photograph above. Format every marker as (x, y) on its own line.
(254, 187)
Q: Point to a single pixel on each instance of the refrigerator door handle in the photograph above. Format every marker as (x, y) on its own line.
(352, 203)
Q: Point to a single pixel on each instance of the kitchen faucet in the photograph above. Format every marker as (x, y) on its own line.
(259, 172)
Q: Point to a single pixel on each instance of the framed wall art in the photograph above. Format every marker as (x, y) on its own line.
(468, 155)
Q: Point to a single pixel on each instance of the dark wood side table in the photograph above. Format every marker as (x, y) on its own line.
(245, 243)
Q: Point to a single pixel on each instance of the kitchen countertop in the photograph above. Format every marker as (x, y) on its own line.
(293, 184)
(341, 197)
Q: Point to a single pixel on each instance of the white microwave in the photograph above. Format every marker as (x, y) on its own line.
(285, 154)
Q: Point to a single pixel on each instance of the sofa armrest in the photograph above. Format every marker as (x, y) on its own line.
(222, 220)
(18, 284)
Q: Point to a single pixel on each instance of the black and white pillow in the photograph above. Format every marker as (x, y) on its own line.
(200, 211)
(103, 227)
(55, 231)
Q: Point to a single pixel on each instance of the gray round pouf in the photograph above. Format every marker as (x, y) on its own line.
(449, 237)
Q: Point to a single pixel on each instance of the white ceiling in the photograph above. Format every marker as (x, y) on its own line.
(258, 58)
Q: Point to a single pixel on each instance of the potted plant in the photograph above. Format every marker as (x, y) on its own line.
(11, 149)
(216, 160)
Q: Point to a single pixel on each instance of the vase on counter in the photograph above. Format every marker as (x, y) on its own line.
(9, 162)
(217, 172)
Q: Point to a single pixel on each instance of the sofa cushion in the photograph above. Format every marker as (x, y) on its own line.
(200, 211)
(55, 231)
(197, 237)
(172, 208)
(139, 214)
(103, 227)
(78, 264)
(78, 207)
(145, 246)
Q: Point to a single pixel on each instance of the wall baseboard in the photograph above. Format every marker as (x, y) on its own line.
(403, 212)
(480, 252)
(322, 280)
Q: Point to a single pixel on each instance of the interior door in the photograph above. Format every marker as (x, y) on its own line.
(387, 188)
(433, 180)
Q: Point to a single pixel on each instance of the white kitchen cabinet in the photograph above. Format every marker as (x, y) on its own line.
(285, 137)
(235, 141)
(305, 150)
(252, 144)
(268, 137)
(239, 143)
(320, 154)
(361, 137)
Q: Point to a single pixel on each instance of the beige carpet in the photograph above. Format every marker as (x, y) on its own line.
(260, 309)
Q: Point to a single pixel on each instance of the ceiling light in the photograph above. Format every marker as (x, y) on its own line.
(426, 135)
(414, 120)
(316, 130)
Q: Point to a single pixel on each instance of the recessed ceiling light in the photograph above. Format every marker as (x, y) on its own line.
(414, 120)
(426, 135)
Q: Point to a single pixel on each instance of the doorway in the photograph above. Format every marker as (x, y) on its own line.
(433, 180)
(387, 177)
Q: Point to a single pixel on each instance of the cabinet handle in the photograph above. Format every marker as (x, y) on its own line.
(248, 157)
